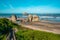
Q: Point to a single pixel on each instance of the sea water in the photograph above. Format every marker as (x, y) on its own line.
(49, 17)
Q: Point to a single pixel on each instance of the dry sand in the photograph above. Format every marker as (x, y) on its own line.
(44, 26)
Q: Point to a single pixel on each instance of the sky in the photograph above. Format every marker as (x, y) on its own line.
(30, 6)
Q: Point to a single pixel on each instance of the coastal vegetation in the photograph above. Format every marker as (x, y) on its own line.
(24, 33)
(36, 35)
(5, 27)
(29, 34)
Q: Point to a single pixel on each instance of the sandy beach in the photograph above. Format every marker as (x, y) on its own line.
(43, 26)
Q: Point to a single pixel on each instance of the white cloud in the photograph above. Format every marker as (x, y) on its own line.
(11, 6)
(37, 9)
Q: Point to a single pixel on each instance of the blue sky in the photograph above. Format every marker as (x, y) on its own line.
(30, 6)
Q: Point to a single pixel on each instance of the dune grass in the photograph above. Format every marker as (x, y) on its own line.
(28, 34)
(24, 33)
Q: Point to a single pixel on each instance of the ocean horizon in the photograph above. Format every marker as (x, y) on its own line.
(48, 17)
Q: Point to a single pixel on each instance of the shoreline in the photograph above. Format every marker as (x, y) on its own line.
(42, 29)
(43, 26)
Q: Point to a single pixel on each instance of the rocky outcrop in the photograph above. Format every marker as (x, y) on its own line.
(33, 18)
(25, 13)
(13, 18)
(30, 17)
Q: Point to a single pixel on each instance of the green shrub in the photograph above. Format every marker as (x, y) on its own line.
(36, 35)
(5, 27)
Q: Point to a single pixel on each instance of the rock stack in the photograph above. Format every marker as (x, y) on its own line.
(33, 18)
(30, 17)
(13, 18)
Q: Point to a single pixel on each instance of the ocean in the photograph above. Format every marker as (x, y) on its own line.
(48, 17)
